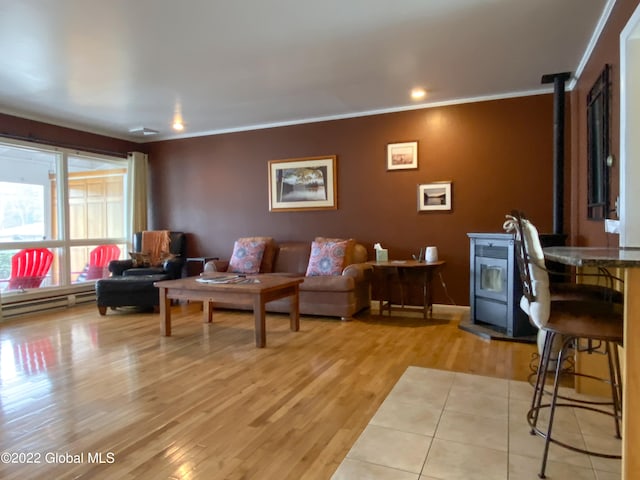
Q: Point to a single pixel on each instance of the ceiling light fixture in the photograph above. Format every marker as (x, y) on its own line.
(418, 93)
(144, 131)
(178, 123)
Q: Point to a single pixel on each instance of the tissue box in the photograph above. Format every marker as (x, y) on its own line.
(612, 226)
(382, 255)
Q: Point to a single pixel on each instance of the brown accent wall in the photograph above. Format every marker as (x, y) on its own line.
(31, 130)
(498, 154)
(590, 232)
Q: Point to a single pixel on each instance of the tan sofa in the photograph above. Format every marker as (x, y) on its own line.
(335, 295)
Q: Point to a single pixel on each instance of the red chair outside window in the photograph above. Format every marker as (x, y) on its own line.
(29, 267)
(99, 259)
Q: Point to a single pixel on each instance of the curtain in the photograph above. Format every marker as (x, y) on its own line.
(137, 193)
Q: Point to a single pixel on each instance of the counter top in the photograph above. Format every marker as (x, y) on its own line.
(594, 256)
(629, 260)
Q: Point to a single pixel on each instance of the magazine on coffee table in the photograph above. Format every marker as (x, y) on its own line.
(222, 279)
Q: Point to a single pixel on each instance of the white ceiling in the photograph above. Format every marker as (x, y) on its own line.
(108, 66)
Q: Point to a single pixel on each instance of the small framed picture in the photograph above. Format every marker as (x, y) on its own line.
(434, 196)
(402, 156)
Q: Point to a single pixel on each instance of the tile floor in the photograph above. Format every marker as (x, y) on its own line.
(443, 425)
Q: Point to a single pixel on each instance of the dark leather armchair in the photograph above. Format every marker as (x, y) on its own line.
(172, 268)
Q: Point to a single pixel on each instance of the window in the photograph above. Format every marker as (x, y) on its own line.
(21, 211)
(598, 143)
(68, 203)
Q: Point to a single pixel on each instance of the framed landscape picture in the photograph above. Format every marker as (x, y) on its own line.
(303, 184)
(434, 196)
(402, 156)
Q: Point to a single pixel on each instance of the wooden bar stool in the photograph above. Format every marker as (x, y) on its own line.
(599, 324)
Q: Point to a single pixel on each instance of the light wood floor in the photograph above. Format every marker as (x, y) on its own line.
(205, 403)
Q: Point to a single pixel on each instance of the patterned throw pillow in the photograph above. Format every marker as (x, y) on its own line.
(140, 259)
(247, 256)
(351, 245)
(164, 256)
(269, 252)
(326, 258)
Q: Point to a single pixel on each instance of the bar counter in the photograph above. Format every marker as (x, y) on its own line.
(595, 256)
(629, 260)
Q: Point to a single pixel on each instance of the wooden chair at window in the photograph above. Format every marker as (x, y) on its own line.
(29, 267)
(587, 324)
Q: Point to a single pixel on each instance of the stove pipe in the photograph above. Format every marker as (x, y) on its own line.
(558, 80)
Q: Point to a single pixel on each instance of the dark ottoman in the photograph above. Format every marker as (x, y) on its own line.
(128, 291)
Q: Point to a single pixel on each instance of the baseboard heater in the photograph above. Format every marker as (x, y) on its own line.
(15, 306)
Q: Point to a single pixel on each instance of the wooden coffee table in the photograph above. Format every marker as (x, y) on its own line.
(265, 289)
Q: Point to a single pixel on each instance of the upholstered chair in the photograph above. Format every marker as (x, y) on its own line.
(132, 284)
(171, 266)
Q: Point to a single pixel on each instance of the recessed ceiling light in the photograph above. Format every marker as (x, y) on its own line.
(418, 93)
(178, 124)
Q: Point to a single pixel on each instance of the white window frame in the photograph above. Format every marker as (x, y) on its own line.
(64, 243)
